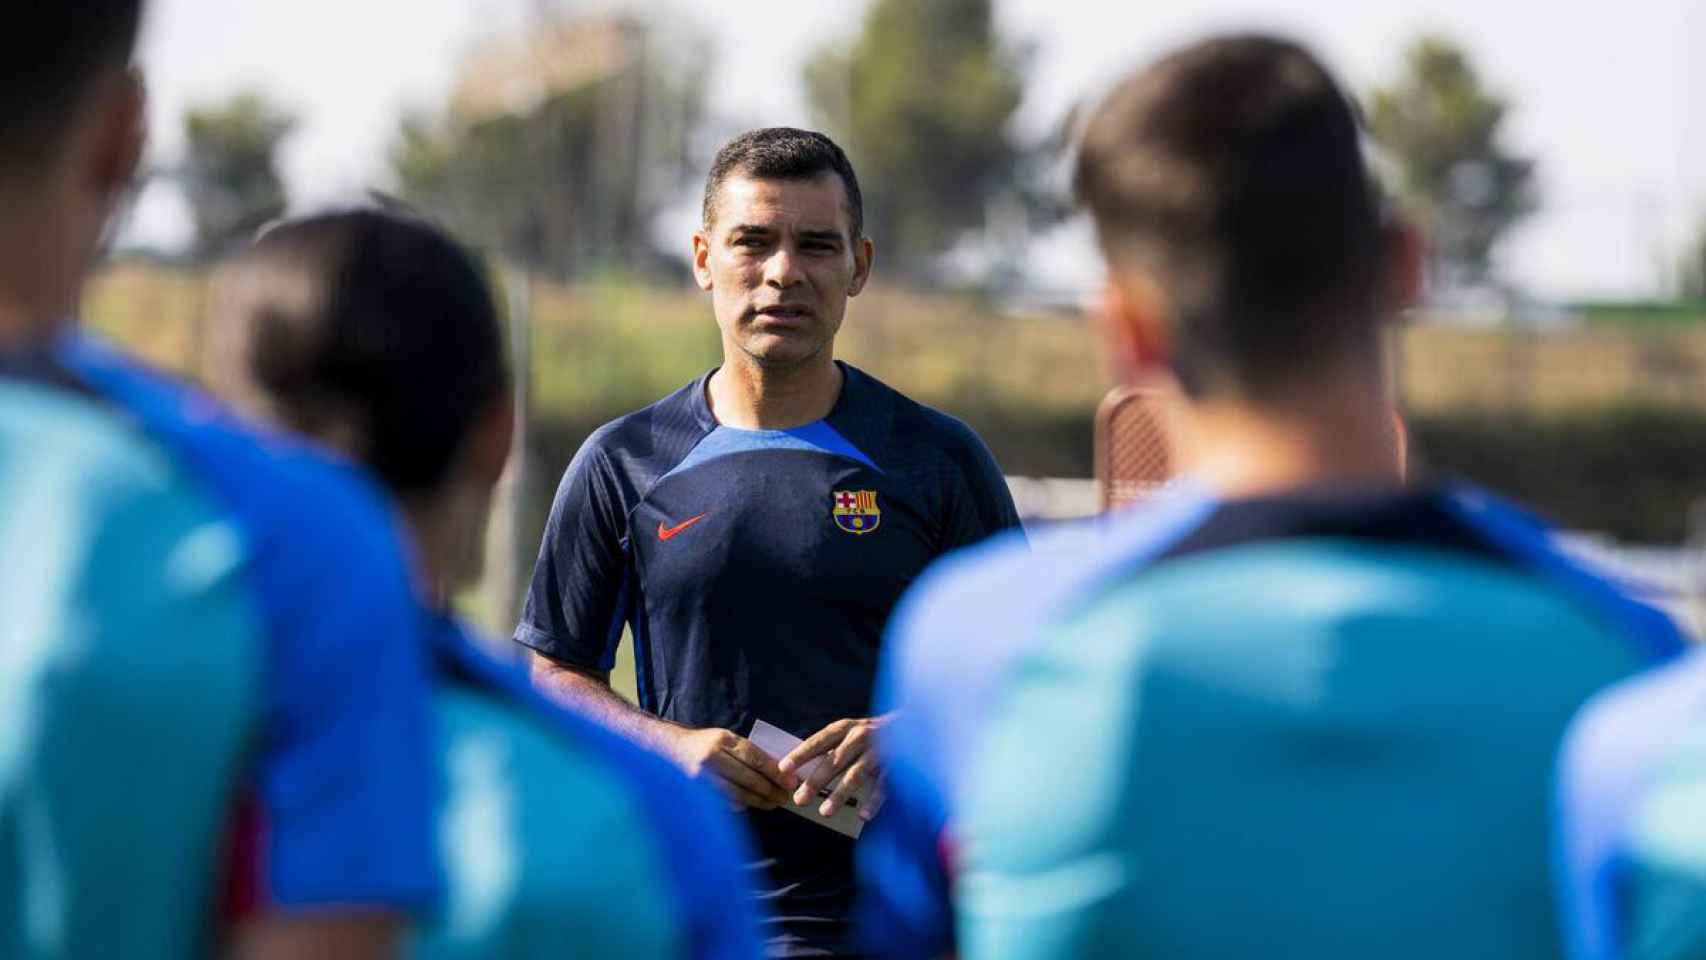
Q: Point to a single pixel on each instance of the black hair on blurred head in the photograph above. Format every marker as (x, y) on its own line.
(49, 51)
(374, 318)
(1232, 171)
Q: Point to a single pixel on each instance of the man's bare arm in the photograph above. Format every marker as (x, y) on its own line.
(589, 692)
(746, 773)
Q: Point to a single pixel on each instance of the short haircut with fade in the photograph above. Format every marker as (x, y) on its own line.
(374, 317)
(784, 153)
(49, 51)
(1232, 172)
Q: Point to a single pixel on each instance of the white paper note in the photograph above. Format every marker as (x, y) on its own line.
(779, 743)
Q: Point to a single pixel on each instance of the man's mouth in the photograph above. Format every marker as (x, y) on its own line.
(787, 313)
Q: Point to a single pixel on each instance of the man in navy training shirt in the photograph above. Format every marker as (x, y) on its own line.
(755, 528)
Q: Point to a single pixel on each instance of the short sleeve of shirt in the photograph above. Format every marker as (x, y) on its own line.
(578, 601)
(980, 503)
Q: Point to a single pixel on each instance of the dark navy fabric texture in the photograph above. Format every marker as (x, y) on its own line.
(345, 774)
(757, 569)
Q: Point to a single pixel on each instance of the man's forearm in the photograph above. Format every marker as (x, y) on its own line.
(592, 696)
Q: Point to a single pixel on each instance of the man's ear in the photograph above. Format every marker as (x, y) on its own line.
(702, 259)
(864, 254)
(1403, 266)
(119, 133)
(1134, 328)
(488, 447)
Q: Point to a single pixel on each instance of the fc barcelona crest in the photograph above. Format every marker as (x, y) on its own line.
(856, 511)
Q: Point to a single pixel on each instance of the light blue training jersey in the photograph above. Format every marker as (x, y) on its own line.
(562, 839)
(1322, 725)
(216, 689)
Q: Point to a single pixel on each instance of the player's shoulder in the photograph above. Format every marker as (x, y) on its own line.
(976, 612)
(462, 659)
(650, 439)
(271, 482)
(915, 424)
(1625, 729)
(51, 422)
(1536, 547)
(1010, 581)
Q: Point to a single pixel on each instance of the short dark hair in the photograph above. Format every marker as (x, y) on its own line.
(376, 316)
(48, 54)
(784, 153)
(1233, 170)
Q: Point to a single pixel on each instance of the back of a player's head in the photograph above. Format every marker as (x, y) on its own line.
(1231, 175)
(371, 329)
(784, 153)
(49, 53)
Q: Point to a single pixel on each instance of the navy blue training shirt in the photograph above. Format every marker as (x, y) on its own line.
(757, 570)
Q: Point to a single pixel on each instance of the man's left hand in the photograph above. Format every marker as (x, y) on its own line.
(847, 749)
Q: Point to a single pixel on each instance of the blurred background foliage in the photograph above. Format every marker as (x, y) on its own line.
(572, 153)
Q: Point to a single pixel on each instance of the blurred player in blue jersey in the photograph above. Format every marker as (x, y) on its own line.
(755, 528)
(1290, 708)
(377, 335)
(212, 668)
(1633, 810)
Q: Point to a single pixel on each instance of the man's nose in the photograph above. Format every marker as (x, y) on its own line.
(782, 269)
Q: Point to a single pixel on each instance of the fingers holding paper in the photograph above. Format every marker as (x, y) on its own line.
(747, 774)
(835, 763)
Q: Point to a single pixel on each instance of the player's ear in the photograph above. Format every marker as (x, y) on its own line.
(1403, 266)
(864, 254)
(119, 133)
(702, 258)
(1134, 327)
(490, 444)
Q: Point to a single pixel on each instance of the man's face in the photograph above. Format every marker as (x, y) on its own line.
(780, 261)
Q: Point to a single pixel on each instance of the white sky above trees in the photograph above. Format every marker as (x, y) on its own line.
(1611, 100)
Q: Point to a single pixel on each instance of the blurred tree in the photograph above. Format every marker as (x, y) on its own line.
(921, 100)
(1441, 127)
(230, 176)
(1693, 267)
(558, 149)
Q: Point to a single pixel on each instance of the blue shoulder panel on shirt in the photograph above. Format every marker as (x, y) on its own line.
(706, 852)
(1608, 757)
(958, 629)
(818, 437)
(1530, 542)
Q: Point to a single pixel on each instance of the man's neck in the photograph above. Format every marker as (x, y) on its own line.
(1339, 435)
(747, 395)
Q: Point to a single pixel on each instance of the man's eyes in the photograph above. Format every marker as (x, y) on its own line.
(757, 242)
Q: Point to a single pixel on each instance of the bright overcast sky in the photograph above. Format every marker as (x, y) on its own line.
(1611, 99)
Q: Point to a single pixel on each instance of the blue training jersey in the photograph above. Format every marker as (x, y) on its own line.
(129, 673)
(562, 839)
(336, 791)
(756, 569)
(1632, 799)
(1304, 726)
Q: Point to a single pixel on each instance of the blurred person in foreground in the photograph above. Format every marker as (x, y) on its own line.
(376, 335)
(1632, 803)
(213, 720)
(756, 528)
(1289, 708)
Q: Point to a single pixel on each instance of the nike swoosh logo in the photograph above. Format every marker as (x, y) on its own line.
(670, 533)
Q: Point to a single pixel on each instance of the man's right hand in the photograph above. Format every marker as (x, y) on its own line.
(747, 774)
